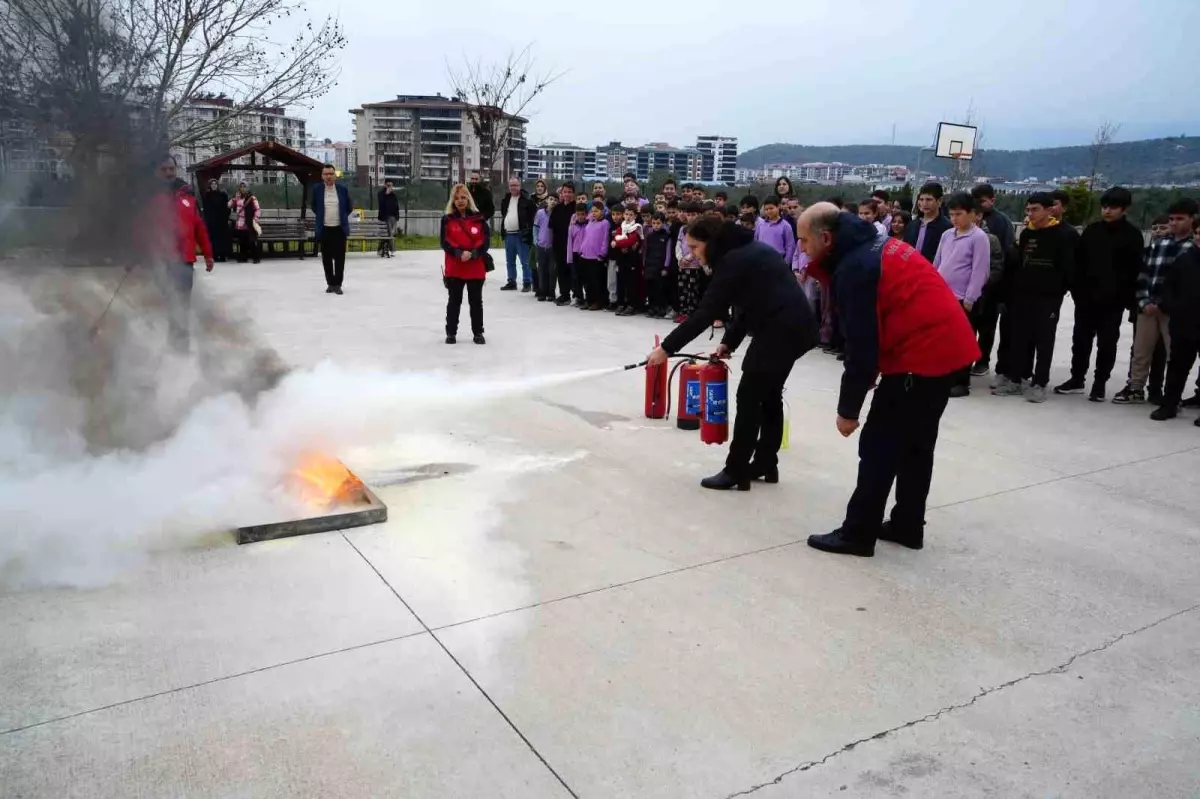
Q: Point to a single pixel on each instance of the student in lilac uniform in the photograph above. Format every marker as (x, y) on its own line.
(963, 260)
(544, 240)
(775, 230)
(593, 252)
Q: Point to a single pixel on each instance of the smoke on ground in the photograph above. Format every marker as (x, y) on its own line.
(114, 445)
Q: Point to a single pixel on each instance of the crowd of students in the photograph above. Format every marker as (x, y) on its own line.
(628, 255)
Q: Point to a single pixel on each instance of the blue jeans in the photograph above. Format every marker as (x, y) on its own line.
(514, 245)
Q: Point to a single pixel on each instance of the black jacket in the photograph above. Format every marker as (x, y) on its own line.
(933, 235)
(216, 208)
(481, 193)
(657, 249)
(1045, 261)
(1181, 295)
(389, 205)
(560, 225)
(1107, 261)
(526, 210)
(768, 303)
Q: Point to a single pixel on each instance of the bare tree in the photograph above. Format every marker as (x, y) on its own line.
(495, 94)
(1104, 137)
(97, 69)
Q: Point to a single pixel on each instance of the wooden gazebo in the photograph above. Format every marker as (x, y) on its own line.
(265, 156)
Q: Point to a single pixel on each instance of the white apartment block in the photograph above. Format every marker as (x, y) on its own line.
(429, 138)
(242, 129)
(720, 158)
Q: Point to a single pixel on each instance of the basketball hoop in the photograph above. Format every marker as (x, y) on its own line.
(955, 141)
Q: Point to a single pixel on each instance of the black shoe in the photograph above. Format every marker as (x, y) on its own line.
(509, 286)
(1196, 423)
(1072, 386)
(562, 302)
(1129, 396)
(480, 339)
(1164, 412)
(329, 289)
(337, 289)
(543, 299)
(1154, 396)
(1191, 402)
(722, 481)
(960, 391)
(1097, 393)
(768, 474)
(839, 543)
(451, 339)
(980, 369)
(905, 539)
(528, 287)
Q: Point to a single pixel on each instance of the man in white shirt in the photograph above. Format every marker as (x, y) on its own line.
(331, 210)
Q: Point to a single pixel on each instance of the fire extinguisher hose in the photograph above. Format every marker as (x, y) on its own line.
(676, 355)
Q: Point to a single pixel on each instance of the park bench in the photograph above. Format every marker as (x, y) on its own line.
(282, 231)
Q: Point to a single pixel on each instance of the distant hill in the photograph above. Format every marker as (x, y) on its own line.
(1171, 160)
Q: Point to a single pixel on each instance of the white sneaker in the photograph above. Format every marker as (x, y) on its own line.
(1007, 388)
(1035, 393)
(1000, 381)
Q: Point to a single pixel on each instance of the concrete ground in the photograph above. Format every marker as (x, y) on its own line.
(567, 613)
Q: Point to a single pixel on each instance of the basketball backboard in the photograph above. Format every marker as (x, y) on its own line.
(955, 141)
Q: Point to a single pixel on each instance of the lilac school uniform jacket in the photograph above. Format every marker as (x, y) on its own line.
(779, 235)
(541, 223)
(594, 241)
(574, 239)
(683, 253)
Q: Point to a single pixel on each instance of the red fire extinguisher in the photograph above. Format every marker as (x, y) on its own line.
(714, 396)
(688, 415)
(656, 389)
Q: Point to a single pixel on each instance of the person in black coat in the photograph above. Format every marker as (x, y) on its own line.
(389, 213)
(769, 305)
(216, 219)
(927, 227)
(481, 193)
(1181, 304)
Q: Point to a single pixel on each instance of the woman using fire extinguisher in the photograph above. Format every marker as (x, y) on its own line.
(769, 306)
(465, 239)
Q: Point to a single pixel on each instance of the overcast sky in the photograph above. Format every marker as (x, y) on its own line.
(1039, 73)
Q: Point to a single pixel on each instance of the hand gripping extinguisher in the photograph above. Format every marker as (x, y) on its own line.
(714, 398)
(657, 393)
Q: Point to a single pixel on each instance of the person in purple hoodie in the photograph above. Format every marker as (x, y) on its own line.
(574, 240)
(544, 242)
(775, 230)
(593, 252)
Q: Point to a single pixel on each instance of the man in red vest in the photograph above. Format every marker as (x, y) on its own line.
(905, 328)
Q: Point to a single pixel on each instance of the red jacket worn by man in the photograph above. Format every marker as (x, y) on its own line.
(179, 226)
(904, 326)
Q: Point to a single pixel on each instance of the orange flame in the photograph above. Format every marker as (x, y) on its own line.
(321, 481)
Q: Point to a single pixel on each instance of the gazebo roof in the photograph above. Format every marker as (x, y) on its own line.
(285, 158)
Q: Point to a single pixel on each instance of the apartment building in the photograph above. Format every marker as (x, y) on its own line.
(557, 162)
(241, 129)
(719, 154)
(429, 138)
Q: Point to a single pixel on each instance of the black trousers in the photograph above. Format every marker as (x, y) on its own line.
(1034, 325)
(627, 281)
(247, 245)
(758, 420)
(594, 278)
(1185, 345)
(544, 275)
(963, 376)
(454, 286)
(1102, 323)
(563, 272)
(656, 292)
(987, 316)
(333, 255)
(896, 445)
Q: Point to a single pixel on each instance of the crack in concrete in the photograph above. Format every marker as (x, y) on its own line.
(931, 717)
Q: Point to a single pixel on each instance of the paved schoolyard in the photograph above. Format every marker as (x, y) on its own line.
(566, 613)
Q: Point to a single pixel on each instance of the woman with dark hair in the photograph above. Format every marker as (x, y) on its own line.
(245, 225)
(216, 219)
(783, 190)
(465, 238)
(540, 193)
(900, 222)
(753, 279)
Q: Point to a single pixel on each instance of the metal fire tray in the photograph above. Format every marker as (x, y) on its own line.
(364, 510)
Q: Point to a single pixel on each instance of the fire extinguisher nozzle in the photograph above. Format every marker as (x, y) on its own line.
(636, 365)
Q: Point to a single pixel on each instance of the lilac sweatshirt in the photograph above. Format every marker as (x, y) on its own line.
(593, 245)
(541, 223)
(683, 253)
(779, 235)
(964, 260)
(574, 239)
